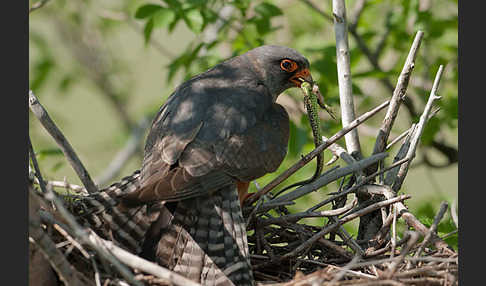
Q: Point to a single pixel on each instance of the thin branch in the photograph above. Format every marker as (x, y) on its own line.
(344, 75)
(420, 128)
(398, 95)
(411, 242)
(344, 220)
(80, 233)
(56, 258)
(46, 121)
(433, 228)
(37, 5)
(298, 216)
(409, 218)
(137, 262)
(330, 177)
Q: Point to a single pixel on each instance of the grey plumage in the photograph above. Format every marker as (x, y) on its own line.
(218, 129)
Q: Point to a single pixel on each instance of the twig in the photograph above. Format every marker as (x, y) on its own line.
(359, 185)
(71, 240)
(298, 216)
(330, 177)
(411, 242)
(68, 186)
(57, 260)
(433, 228)
(97, 272)
(398, 138)
(356, 12)
(137, 262)
(346, 268)
(394, 232)
(409, 218)
(46, 121)
(417, 134)
(454, 213)
(307, 158)
(334, 225)
(81, 234)
(344, 75)
(37, 5)
(401, 154)
(398, 95)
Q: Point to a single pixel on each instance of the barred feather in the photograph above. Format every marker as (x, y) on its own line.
(205, 240)
(103, 213)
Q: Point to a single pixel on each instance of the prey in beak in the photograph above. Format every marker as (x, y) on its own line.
(302, 76)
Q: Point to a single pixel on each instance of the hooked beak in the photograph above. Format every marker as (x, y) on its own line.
(302, 76)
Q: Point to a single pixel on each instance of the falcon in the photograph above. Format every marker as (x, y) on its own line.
(215, 134)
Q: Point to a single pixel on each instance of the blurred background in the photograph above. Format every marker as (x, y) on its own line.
(103, 68)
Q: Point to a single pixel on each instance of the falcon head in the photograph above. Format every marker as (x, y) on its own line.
(279, 68)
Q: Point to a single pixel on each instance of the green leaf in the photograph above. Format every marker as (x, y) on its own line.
(268, 10)
(147, 31)
(163, 17)
(194, 20)
(147, 10)
(41, 154)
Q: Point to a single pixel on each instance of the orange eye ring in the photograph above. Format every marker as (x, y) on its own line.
(288, 65)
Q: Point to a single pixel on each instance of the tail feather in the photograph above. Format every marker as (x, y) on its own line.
(103, 212)
(205, 240)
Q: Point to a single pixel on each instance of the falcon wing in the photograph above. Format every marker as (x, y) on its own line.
(203, 139)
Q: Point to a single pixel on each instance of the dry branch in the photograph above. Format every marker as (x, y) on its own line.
(398, 95)
(417, 134)
(344, 75)
(46, 121)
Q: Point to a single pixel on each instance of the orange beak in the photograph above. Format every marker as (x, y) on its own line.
(301, 76)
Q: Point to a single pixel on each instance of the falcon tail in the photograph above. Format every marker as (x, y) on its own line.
(203, 239)
(103, 213)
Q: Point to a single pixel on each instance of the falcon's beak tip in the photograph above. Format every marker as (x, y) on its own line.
(301, 76)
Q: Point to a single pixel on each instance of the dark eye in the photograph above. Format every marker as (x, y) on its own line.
(288, 65)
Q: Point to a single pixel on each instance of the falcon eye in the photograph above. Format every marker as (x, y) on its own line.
(288, 65)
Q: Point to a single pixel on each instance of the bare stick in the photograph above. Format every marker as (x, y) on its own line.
(454, 213)
(411, 242)
(137, 262)
(56, 258)
(79, 232)
(76, 244)
(298, 216)
(346, 268)
(344, 75)
(339, 222)
(398, 95)
(67, 186)
(307, 158)
(420, 128)
(37, 5)
(409, 218)
(401, 154)
(330, 177)
(66, 148)
(398, 138)
(433, 228)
